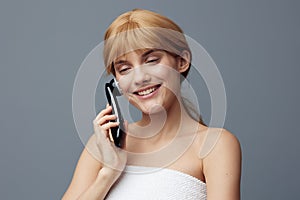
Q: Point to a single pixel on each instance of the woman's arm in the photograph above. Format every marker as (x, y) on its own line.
(92, 179)
(222, 168)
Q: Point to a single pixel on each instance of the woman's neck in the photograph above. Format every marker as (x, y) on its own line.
(163, 125)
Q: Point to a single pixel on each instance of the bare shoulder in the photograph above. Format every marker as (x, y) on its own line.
(217, 141)
(227, 142)
(226, 138)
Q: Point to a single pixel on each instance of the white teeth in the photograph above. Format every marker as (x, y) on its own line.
(145, 92)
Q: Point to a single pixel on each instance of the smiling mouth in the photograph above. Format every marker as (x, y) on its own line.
(147, 91)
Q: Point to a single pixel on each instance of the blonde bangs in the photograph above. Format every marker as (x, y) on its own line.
(140, 39)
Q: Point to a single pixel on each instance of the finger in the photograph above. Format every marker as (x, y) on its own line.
(102, 121)
(110, 136)
(102, 133)
(104, 129)
(109, 125)
(105, 119)
(103, 112)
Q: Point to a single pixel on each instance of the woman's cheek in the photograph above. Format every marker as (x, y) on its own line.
(166, 73)
(124, 83)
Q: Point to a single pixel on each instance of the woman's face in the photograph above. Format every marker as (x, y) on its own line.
(149, 78)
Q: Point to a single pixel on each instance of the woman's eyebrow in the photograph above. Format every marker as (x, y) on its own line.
(149, 52)
(120, 62)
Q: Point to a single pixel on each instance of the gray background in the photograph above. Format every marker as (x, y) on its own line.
(254, 43)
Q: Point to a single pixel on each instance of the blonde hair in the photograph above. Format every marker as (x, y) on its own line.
(143, 29)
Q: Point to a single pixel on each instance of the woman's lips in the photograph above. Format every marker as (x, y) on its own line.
(147, 92)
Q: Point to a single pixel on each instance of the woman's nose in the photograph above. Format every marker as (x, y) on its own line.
(140, 76)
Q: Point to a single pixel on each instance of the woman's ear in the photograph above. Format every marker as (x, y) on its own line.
(183, 61)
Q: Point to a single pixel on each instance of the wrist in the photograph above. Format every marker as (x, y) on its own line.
(105, 179)
(108, 175)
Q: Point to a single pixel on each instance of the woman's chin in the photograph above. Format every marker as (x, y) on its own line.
(148, 108)
(156, 108)
(153, 109)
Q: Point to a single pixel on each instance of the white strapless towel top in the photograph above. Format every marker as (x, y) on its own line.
(143, 183)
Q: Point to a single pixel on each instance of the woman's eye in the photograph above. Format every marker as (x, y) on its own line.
(123, 69)
(152, 60)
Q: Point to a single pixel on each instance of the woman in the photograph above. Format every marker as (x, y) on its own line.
(169, 153)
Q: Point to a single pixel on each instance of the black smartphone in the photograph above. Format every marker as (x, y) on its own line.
(112, 91)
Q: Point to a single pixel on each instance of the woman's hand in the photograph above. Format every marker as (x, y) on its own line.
(111, 156)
